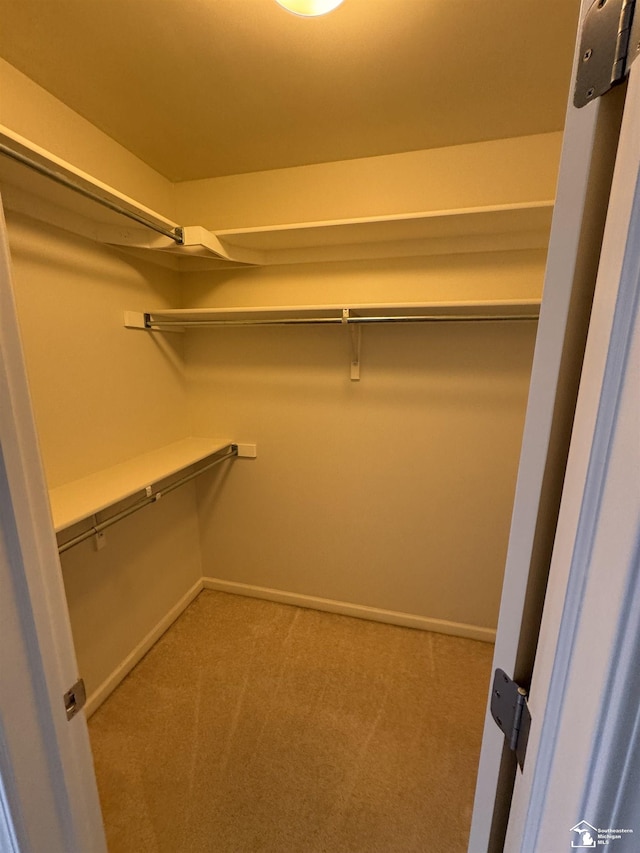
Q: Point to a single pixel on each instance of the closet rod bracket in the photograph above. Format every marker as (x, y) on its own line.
(143, 320)
(356, 342)
(356, 345)
(99, 536)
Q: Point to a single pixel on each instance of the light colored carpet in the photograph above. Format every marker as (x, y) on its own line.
(254, 727)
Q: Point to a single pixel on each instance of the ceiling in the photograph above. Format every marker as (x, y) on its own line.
(203, 88)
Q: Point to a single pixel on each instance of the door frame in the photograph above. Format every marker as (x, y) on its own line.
(48, 792)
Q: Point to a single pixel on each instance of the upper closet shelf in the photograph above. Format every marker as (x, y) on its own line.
(37, 183)
(436, 232)
(41, 185)
(83, 498)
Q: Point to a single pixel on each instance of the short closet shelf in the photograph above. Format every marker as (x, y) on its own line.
(82, 499)
(354, 314)
(353, 317)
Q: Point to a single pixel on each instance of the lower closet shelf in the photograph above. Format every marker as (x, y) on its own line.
(81, 499)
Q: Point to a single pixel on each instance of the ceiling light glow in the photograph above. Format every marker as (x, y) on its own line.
(309, 8)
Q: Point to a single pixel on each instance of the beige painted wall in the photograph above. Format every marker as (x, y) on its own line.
(504, 171)
(120, 594)
(394, 492)
(492, 275)
(352, 496)
(322, 511)
(101, 395)
(29, 110)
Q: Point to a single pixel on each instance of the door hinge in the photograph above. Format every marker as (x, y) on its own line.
(610, 41)
(75, 698)
(510, 711)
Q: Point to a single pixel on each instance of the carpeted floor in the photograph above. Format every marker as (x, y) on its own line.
(254, 727)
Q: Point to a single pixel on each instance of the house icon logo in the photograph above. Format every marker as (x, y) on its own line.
(585, 835)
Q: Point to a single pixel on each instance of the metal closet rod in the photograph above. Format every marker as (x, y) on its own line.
(175, 234)
(150, 323)
(232, 451)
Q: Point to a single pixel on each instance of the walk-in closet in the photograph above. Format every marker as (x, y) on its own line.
(279, 386)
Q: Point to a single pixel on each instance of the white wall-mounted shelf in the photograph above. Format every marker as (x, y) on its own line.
(352, 314)
(353, 317)
(37, 183)
(436, 232)
(41, 195)
(81, 499)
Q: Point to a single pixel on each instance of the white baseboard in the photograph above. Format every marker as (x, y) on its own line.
(392, 617)
(109, 684)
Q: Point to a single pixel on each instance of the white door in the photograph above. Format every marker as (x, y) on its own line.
(581, 776)
(557, 772)
(48, 795)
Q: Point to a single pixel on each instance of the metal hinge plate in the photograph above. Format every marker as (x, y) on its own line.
(510, 711)
(609, 43)
(75, 698)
